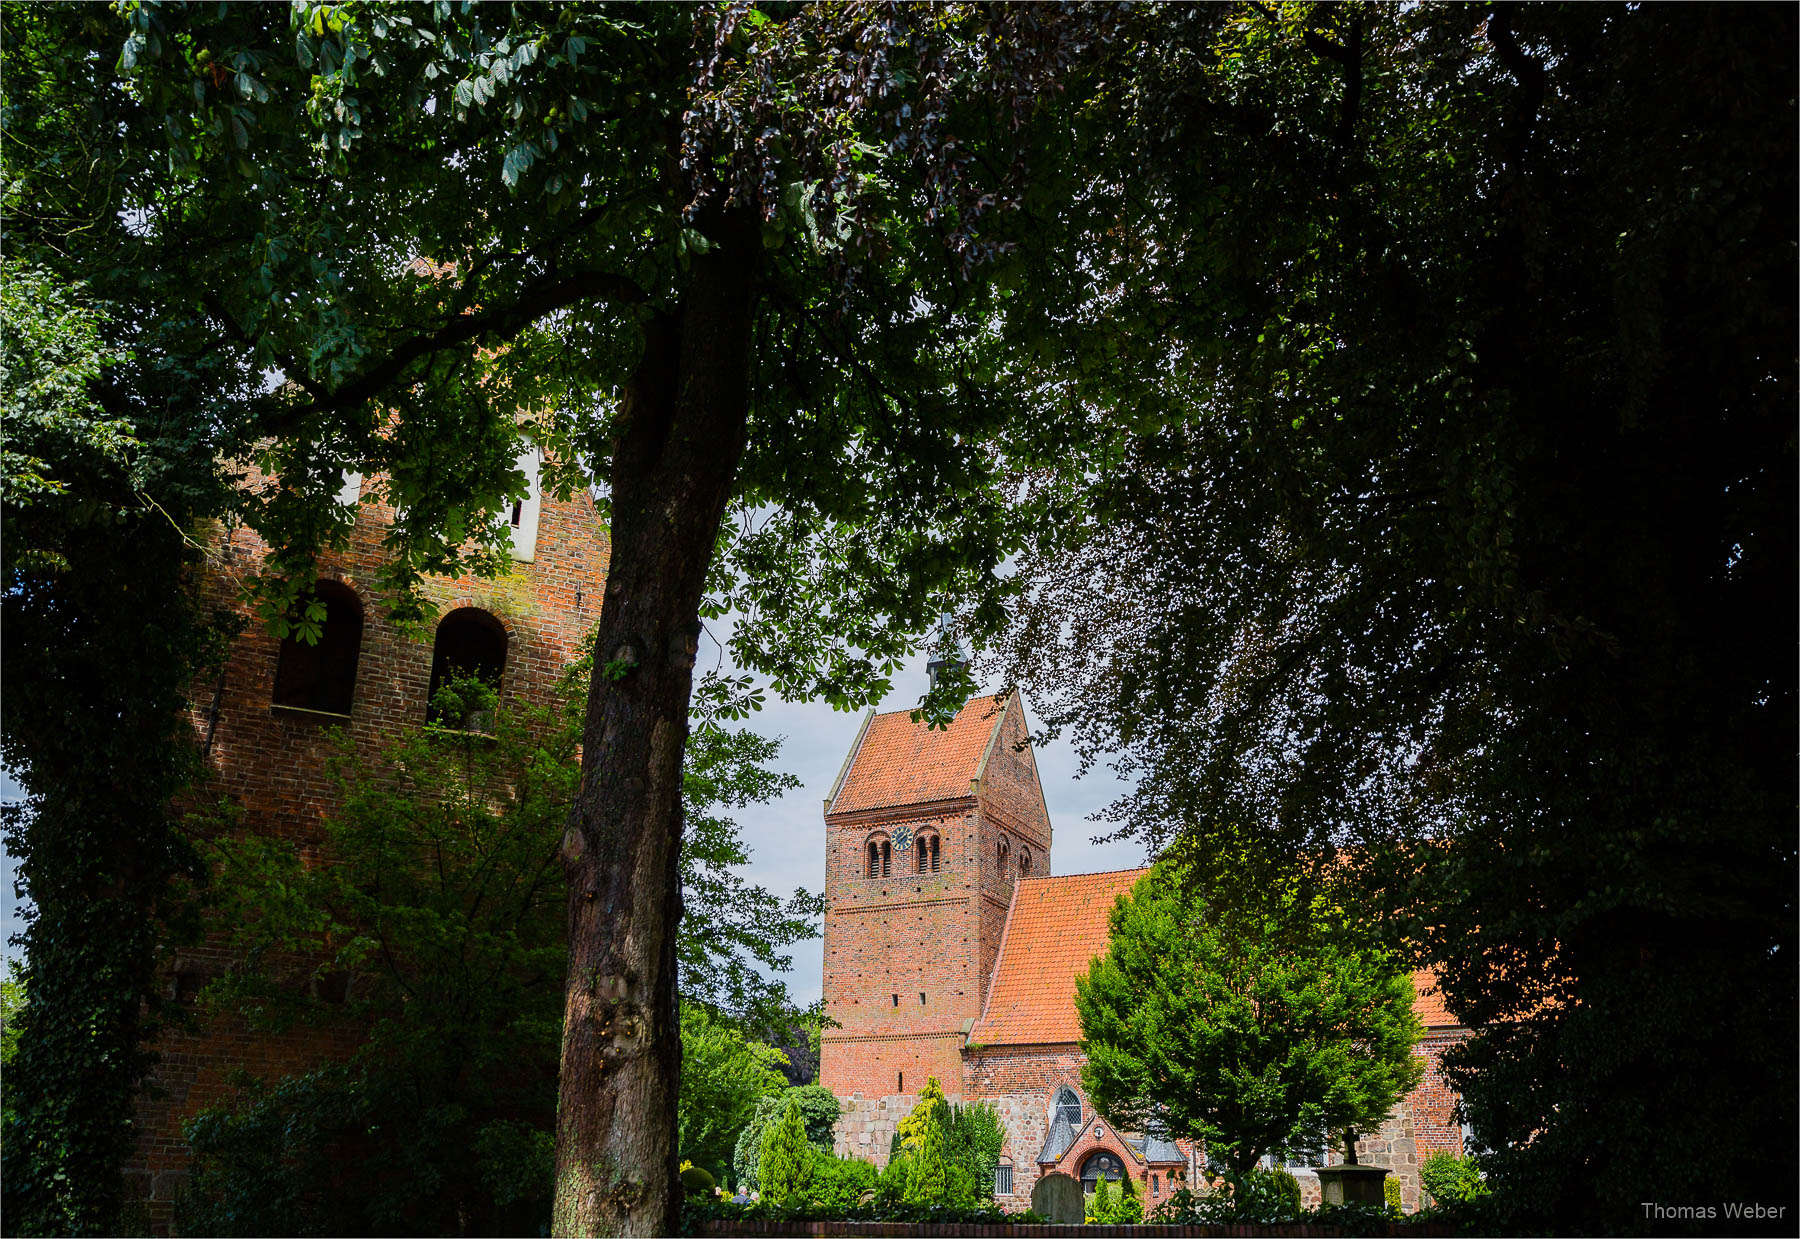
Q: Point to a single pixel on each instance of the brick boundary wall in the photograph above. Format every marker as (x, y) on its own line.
(1020, 1230)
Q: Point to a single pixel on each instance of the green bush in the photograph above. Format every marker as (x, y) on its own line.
(1390, 1192)
(840, 1182)
(698, 1179)
(1270, 1195)
(1122, 1208)
(818, 1111)
(1451, 1179)
(786, 1162)
(890, 1187)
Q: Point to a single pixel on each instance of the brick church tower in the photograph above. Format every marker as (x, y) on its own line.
(263, 727)
(926, 833)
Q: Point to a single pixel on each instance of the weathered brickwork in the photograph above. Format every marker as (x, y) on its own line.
(269, 762)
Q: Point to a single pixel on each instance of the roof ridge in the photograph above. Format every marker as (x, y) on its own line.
(1097, 873)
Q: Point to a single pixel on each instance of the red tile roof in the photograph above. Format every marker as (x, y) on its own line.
(900, 762)
(1054, 928)
(1429, 1005)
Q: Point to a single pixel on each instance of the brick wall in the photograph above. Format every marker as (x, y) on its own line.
(269, 763)
(908, 956)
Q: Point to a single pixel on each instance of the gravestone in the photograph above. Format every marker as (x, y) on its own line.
(1057, 1197)
(1352, 1185)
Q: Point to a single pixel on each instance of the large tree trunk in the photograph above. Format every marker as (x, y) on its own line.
(680, 441)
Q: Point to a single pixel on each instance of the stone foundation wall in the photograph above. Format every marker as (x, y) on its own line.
(865, 1126)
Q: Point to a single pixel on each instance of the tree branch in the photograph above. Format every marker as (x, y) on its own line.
(1527, 72)
(544, 297)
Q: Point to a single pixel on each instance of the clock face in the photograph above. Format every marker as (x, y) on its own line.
(902, 838)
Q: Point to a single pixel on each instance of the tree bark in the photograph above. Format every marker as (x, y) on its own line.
(680, 441)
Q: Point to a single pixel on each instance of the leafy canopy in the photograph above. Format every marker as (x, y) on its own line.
(1250, 1029)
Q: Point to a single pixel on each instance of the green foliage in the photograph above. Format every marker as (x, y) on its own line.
(785, 1158)
(944, 1155)
(261, 198)
(930, 1180)
(723, 1075)
(697, 1180)
(444, 909)
(53, 427)
(1390, 1192)
(1250, 1026)
(976, 1136)
(1444, 550)
(346, 1150)
(890, 1187)
(1449, 1179)
(818, 1111)
(1124, 1207)
(909, 1132)
(1100, 1202)
(840, 1183)
(697, 1213)
(12, 1000)
(1275, 1189)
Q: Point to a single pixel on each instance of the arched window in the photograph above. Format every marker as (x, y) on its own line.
(322, 677)
(470, 643)
(1100, 1165)
(929, 852)
(881, 857)
(887, 858)
(1001, 851)
(1024, 861)
(1067, 1107)
(874, 859)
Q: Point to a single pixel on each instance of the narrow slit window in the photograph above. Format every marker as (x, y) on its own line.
(899, 1081)
(523, 513)
(896, 1000)
(934, 853)
(887, 859)
(322, 677)
(921, 1000)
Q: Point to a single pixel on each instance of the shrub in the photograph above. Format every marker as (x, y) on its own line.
(840, 1182)
(698, 1179)
(818, 1111)
(1099, 1205)
(1390, 1191)
(1126, 1208)
(1267, 1195)
(930, 1182)
(786, 1162)
(890, 1187)
(1451, 1179)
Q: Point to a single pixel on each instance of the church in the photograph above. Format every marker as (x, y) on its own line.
(951, 950)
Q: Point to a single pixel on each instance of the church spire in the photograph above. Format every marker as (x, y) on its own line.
(946, 649)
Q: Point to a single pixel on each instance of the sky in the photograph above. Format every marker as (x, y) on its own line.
(786, 838)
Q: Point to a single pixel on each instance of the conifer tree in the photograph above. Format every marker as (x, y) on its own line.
(786, 1166)
(1099, 1205)
(929, 1182)
(1129, 1208)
